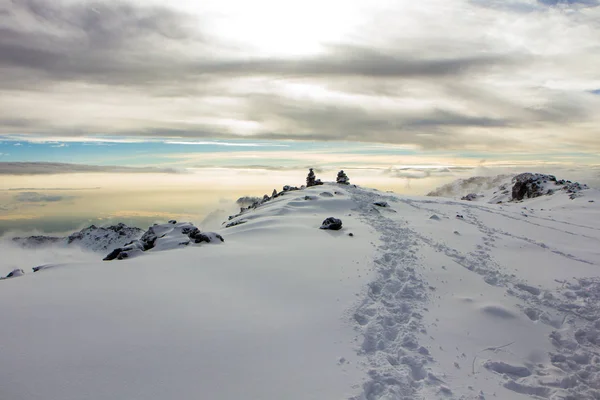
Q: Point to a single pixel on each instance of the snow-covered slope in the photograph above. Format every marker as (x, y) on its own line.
(429, 298)
(92, 238)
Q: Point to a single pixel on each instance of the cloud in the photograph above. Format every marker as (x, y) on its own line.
(225, 144)
(592, 3)
(43, 168)
(461, 76)
(35, 197)
(127, 45)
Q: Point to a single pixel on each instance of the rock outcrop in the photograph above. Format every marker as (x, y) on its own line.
(529, 185)
(91, 238)
(164, 237)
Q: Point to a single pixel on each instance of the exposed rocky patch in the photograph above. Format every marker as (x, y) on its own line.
(529, 185)
(505, 188)
(92, 238)
(164, 237)
(471, 197)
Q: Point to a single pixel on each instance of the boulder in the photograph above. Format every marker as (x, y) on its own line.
(332, 223)
(471, 197)
(381, 204)
(208, 237)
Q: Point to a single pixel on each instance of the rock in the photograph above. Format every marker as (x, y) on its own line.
(112, 255)
(235, 223)
(164, 237)
(37, 241)
(351, 234)
(91, 238)
(325, 194)
(172, 222)
(435, 217)
(471, 197)
(43, 267)
(530, 185)
(208, 237)
(332, 224)
(310, 179)
(381, 204)
(342, 178)
(15, 273)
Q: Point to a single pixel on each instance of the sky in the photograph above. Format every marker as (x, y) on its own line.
(406, 95)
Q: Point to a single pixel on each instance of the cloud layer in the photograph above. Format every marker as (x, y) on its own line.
(45, 168)
(460, 74)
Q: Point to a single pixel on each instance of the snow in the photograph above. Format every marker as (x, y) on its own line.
(417, 303)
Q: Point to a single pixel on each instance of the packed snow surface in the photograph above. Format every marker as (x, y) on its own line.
(423, 298)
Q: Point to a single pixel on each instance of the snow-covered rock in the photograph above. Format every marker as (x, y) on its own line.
(164, 237)
(504, 189)
(92, 238)
(14, 273)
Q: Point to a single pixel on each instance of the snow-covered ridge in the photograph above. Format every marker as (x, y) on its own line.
(94, 238)
(411, 298)
(506, 188)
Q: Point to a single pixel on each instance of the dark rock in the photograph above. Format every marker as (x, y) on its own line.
(310, 179)
(172, 222)
(381, 204)
(351, 234)
(332, 224)
(15, 273)
(471, 197)
(43, 267)
(435, 217)
(113, 254)
(208, 237)
(37, 241)
(342, 178)
(234, 223)
(529, 185)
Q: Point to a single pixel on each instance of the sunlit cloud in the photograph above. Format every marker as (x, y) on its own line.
(226, 144)
(496, 76)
